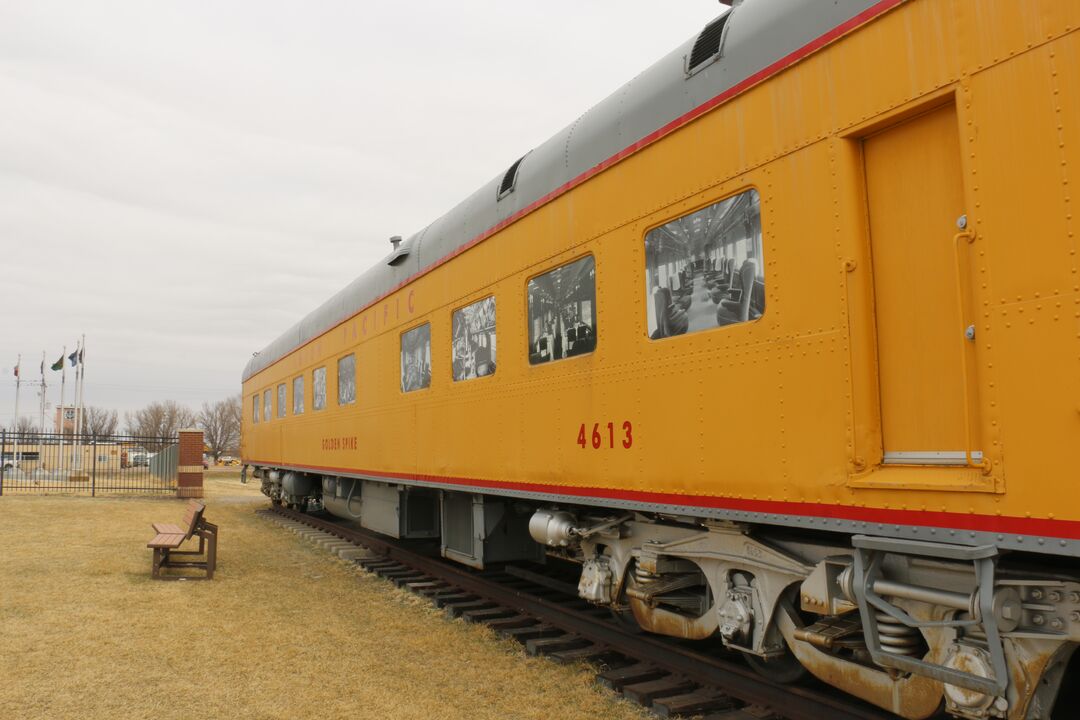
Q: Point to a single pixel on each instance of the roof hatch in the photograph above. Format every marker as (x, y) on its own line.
(708, 44)
(509, 180)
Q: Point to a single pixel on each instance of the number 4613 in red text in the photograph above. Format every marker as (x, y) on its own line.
(609, 436)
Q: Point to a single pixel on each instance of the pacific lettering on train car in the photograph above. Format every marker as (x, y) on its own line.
(339, 443)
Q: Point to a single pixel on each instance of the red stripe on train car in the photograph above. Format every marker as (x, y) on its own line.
(1035, 527)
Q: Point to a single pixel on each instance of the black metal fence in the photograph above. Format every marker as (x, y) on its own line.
(87, 464)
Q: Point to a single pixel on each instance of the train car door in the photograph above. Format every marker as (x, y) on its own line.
(915, 197)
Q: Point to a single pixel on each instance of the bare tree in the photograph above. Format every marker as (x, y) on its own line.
(159, 419)
(100, 422)
(220, 423)
(25, 426)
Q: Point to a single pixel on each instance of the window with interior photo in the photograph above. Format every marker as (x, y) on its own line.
(562, 312)
(416, 358)
(706, 270)
(346, 380)
(318, 388)
(298, 395)
(266, 405)
(473, 344)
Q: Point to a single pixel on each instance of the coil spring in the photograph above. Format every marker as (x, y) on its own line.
(644, 577)
(896, 637)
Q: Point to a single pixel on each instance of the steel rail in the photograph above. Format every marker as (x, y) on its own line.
(792, 701)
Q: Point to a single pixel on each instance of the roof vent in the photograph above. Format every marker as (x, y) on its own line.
(509, 179)
(399, 253)
(707, 46)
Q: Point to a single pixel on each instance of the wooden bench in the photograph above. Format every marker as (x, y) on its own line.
(169, 538)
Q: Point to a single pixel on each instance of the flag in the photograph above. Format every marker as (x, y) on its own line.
(81, 351)
(74, 358)
(59, 364)
(16, 371)
(43, 367)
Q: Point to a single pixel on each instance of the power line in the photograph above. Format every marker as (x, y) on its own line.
(129, 386)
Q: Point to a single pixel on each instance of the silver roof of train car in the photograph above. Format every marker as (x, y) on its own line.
(757, 33)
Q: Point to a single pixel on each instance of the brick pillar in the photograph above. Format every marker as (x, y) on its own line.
(189, 482)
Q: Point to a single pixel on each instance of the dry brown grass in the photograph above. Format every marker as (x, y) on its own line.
(283, 631)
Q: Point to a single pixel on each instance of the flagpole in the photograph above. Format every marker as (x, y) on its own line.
(79, 409)
(63, 380)
(44, 386)
(75, 404)
(18, 383)
(82, 386)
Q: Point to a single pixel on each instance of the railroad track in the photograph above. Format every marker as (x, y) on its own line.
(546, 616)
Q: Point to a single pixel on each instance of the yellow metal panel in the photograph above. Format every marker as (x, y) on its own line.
(994, 30)
(1039, 355)
(1013, 113)
(809, 434)
(901, 56)
(1065, 99)
(800, 246)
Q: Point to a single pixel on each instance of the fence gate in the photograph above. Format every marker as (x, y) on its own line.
(87, 464)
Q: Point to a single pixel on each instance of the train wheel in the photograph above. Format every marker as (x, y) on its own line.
(1068, 694)
(784, 669)
(625, 618)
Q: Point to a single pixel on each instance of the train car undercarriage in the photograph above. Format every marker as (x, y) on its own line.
(912, 626)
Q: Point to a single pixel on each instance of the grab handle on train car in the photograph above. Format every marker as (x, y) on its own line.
(849, 265)
(969, 237)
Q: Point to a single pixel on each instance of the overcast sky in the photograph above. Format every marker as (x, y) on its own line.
(181, 181)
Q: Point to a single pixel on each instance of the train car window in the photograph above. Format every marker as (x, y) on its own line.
(562, 312)
(298, 395)
(281, 399)
(473, 344)
(416, 358)
(706, 269)
(318, 388)
(266, 405)
(255, 408)
(346, 380)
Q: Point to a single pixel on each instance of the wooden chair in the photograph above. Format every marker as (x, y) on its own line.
(170, 537)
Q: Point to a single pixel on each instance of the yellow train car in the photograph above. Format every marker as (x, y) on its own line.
(781, 342)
